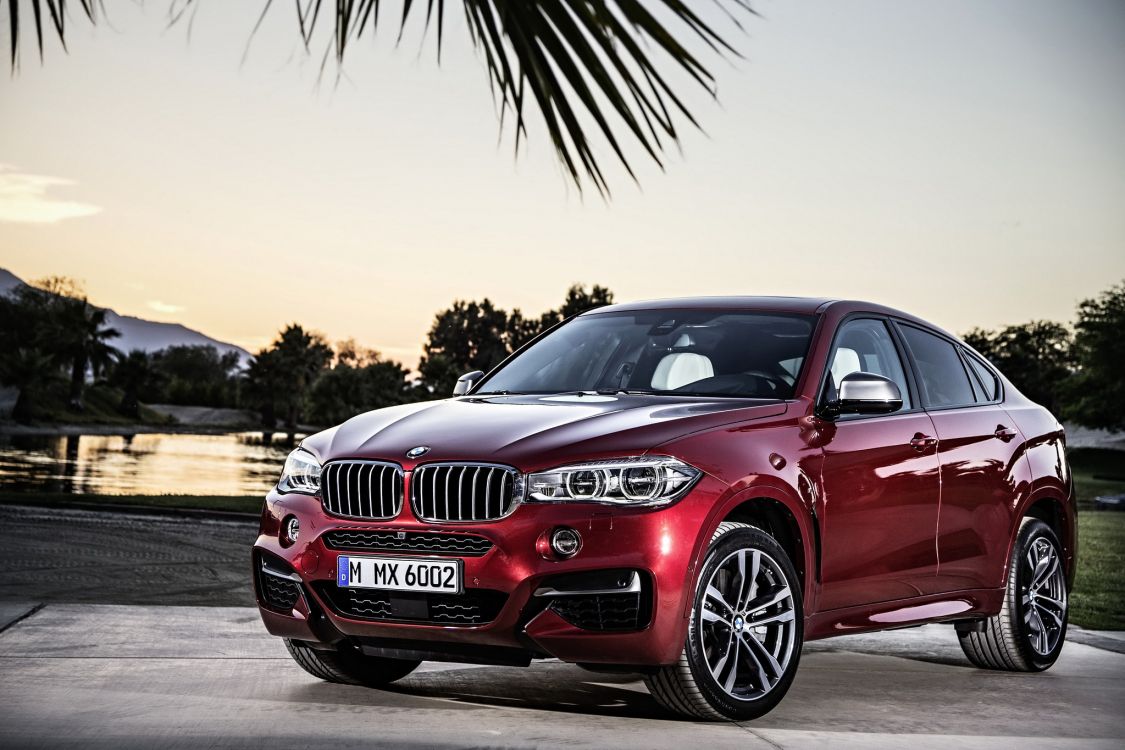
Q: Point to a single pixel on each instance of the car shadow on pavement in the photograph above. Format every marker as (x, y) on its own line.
(543, 686)
(945, 654)
(557, 687)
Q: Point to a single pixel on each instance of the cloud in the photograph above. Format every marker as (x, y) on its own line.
(23, 198)
(164, 307)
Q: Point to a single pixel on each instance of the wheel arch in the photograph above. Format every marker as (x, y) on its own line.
(1049, 506)
(778, 511)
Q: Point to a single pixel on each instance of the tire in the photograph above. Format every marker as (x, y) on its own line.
(690, 686)
(349, 666)
(1028, 633)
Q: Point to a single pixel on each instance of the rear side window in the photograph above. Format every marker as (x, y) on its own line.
(942, 377)
(988, 381)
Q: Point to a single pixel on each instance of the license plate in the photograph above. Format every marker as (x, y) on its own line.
(399, 574)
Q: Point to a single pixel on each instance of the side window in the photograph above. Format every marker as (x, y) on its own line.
(942, 377)
(865, 345)
(988, 380)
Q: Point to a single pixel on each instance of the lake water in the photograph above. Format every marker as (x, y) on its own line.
(146, 464)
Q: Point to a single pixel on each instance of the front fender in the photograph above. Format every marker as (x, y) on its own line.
(763, 488)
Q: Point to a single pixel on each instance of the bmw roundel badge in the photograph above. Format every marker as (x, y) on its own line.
(418, 452)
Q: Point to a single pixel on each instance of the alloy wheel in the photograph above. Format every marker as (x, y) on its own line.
(1043, 596)
(746, 624)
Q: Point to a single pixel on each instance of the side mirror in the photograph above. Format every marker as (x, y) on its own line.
(866, 393)
(466, 382)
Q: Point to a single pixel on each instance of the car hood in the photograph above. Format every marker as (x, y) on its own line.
(529, 432)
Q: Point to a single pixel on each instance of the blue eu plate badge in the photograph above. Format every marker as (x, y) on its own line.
(342, 570)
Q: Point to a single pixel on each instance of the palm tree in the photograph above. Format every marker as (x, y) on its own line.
(29, 370)
(580, 63)
(132, 374)
(86, 345)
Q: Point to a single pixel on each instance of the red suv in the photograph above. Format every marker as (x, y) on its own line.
(686, 489)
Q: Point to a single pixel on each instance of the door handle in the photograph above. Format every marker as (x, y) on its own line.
(1004, 433)
(921, 442)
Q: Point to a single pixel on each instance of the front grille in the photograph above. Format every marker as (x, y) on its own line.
(474, 607)
(601, 611)
(463, 492)
(362, 489)
(461, 545)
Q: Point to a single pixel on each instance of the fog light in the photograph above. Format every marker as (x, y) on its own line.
(290, 529)
(566, 542)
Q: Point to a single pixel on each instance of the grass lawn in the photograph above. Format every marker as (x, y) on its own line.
(1098, 600)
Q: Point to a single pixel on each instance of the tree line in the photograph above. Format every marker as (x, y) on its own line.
(58, 347)
(1077, 371)
(301, 378)
(60, 356)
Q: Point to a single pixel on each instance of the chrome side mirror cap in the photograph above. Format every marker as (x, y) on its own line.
(466, 382)
(867, 393)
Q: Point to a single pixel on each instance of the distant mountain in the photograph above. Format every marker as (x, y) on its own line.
(138, 333)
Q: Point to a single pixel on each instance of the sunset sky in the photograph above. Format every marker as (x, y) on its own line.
(964, 161)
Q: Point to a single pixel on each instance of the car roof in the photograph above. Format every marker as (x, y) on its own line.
(799, 305)
(808, 305)
(805, 305)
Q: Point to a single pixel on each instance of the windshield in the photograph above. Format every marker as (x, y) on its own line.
(684, 352)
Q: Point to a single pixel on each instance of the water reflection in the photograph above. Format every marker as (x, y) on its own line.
(146, 464)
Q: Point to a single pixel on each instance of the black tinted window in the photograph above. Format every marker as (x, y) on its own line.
(687, 352)
(943, 378)
(988, 380)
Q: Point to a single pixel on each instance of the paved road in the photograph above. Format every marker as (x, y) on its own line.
(110, 676)
(62, 555)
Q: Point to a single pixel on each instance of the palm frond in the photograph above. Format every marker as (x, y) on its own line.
(590, 68)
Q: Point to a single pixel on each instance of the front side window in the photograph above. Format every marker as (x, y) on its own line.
(865, 345)
(942, 377)
(682, 352)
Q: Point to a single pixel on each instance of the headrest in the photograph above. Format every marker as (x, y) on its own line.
(844, 363)
(679, 369)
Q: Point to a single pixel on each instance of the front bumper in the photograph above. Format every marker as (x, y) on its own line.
(659, 545)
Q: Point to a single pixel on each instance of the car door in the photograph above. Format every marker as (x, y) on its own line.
(978, 449)
(878, 503)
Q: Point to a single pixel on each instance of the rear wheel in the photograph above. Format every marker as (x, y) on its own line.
(348, 665)
(745, 632)
(1028, 633)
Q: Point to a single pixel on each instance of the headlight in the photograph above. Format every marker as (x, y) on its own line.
(301, 473)
(641, 481)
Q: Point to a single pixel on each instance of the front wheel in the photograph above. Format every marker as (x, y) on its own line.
(1028, 633)
(745, 632)
(348, 665)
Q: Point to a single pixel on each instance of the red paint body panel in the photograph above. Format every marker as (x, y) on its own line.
(879, 509)
(885, 535)
(980, 493)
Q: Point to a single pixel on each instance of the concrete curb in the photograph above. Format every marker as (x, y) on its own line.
(1097, 639)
